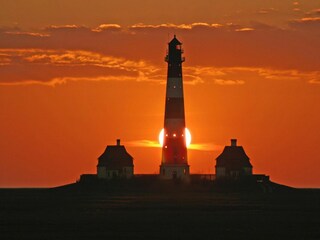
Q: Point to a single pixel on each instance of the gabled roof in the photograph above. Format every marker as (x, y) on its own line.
(175, 41)
(115, 156)
(233, 157)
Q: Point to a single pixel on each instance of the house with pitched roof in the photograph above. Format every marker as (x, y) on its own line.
(233, 162)
(115, 162)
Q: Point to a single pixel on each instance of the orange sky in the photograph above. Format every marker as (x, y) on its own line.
(74, 77)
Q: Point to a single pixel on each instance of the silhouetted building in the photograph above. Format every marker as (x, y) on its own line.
(174, 162)
(233, 162)
(115, 162)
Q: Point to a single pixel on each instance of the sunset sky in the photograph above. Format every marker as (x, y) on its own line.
(77, 75)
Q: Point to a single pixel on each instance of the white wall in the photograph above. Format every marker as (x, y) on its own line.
(104, 173)
(171, 171)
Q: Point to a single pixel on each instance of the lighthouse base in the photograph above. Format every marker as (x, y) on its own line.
(175, 171)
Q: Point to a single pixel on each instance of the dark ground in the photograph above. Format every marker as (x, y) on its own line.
(172, 212)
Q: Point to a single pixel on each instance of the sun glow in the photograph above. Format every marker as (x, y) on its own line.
(187, 137)
(161, 137)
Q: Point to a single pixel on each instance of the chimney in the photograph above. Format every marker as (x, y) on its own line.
(233, 142)
(118, 142)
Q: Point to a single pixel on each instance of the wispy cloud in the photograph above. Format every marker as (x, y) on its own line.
(231, 44)
(67, 26)
(77, 57)
(288, 75)
(106, 26)
(308, 20)
(228, 76)
(5, 59)
(267, 10)
(309, 24)
(128, 70)
(247, 29)
(316, 11)
(76, 60)
(195, 146)
(143, 143)
(176, 26)
(32, 34)
(191, 79)
(63, 80)
(68, 52)
(228, 82)
(205, 147)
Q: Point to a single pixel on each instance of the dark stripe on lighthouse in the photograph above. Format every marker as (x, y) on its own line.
(174, 108)
(174, 70)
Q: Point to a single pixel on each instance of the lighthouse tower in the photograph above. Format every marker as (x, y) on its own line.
(174, 163)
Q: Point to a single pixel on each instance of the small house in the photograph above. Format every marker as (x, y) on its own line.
(115, 162)
(233, 162)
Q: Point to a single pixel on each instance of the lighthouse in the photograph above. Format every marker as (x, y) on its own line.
(174, 164)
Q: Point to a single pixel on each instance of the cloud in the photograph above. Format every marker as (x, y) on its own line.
(64, 80)
(52, 67)
(191, 26)
(200, 74)
(308, 20)
(205, 147)
(228, 76)
(107, 26)
(191, 79)
(278, 75)
(205, 71)
(307, 24)
(314, 81)
(78, 57)
(244, 29)
(143, 143)
(32, 34)
(193, 146)
(5, 59)
(176, 26)
(228, 82)
(73, 58)
(67, 26)
(215, 55)
(316, 11)
(267, 10)
(164, 25)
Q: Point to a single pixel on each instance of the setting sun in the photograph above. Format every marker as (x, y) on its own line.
(188, 137)
(187, 132)
(161, 137)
